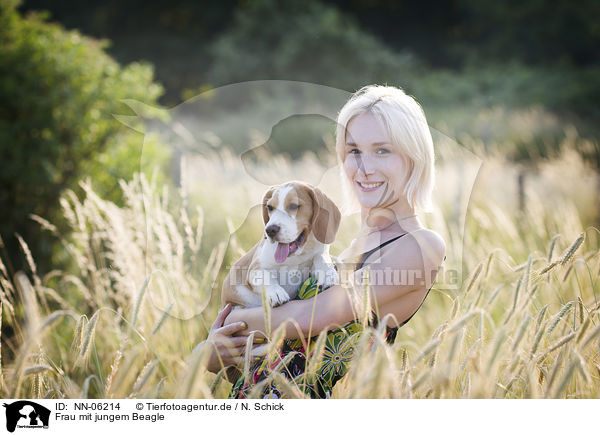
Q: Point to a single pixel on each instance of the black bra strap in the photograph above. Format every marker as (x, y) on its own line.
(364, 256)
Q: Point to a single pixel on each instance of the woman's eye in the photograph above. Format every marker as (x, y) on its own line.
(270, 207)
(382, 151)
(354, 151)
(293, 207)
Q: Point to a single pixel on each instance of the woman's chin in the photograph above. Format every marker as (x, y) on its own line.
(368, 204)
(368, 199)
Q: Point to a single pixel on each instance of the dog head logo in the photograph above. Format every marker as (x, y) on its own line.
(26, 414)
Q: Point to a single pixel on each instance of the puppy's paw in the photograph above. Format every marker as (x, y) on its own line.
(276, 295)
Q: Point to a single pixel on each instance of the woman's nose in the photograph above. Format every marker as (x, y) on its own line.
(365, 164)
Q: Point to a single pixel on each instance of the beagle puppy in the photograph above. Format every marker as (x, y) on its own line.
(300, 223)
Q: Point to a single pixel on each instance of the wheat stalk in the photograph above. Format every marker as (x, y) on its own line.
(576, 244)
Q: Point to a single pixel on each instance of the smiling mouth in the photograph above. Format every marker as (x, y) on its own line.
(284, 250)
(369, 187)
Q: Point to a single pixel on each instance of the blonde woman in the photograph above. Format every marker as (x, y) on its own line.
(385, 147)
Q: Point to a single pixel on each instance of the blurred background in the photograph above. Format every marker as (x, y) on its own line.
(109, 108)
(518, 77)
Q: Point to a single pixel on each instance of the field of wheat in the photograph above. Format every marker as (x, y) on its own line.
(523, 320)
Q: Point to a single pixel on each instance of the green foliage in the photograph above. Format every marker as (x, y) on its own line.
(301, 40)
(525, 111)
(58, 93)
(317, 43)
(533, 31)
(468, 56)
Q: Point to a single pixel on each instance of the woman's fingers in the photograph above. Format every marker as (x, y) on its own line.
(230, 354)
(232, 328)
(236, 342)
(241, 341)
(230, 351)
(221, 316)
(236, 345)
(233, 352)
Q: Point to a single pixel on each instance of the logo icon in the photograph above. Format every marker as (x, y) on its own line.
(26, 414)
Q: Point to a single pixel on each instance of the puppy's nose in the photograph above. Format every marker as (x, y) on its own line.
(272, 230)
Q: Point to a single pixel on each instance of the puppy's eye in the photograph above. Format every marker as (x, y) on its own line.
(293, 207)
(270, 207)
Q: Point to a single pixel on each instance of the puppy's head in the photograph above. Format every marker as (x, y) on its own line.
(294, 210)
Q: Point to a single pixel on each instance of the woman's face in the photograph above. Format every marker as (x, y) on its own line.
(375, 168)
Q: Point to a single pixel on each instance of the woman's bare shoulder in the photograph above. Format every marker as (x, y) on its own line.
(414, 258)
(432, 241)
(421, 252)
(423, 244)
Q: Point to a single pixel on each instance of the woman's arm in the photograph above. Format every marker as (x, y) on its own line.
(302, 317)
(407, 268)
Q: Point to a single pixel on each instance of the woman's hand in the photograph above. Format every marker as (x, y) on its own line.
(244, 315)
(226, 350)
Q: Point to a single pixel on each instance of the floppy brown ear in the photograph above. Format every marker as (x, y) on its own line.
(326, 217)
(266, 198)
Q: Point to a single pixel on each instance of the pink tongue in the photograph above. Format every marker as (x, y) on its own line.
(282, 252)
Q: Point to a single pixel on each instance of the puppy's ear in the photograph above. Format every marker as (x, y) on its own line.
(266, 198)
(326, 216)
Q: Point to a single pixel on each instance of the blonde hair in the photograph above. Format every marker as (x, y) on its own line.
(404, 120)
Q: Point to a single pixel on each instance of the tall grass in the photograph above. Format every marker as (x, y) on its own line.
(125, 321)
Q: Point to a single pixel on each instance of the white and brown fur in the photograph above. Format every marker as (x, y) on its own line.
(317, 216)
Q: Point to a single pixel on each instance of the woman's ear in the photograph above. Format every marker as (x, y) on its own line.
(266, 198)
(326, 217)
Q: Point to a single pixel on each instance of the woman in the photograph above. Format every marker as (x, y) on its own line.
(386, 150)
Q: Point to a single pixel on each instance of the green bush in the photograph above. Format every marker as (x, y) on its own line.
(58, 93)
